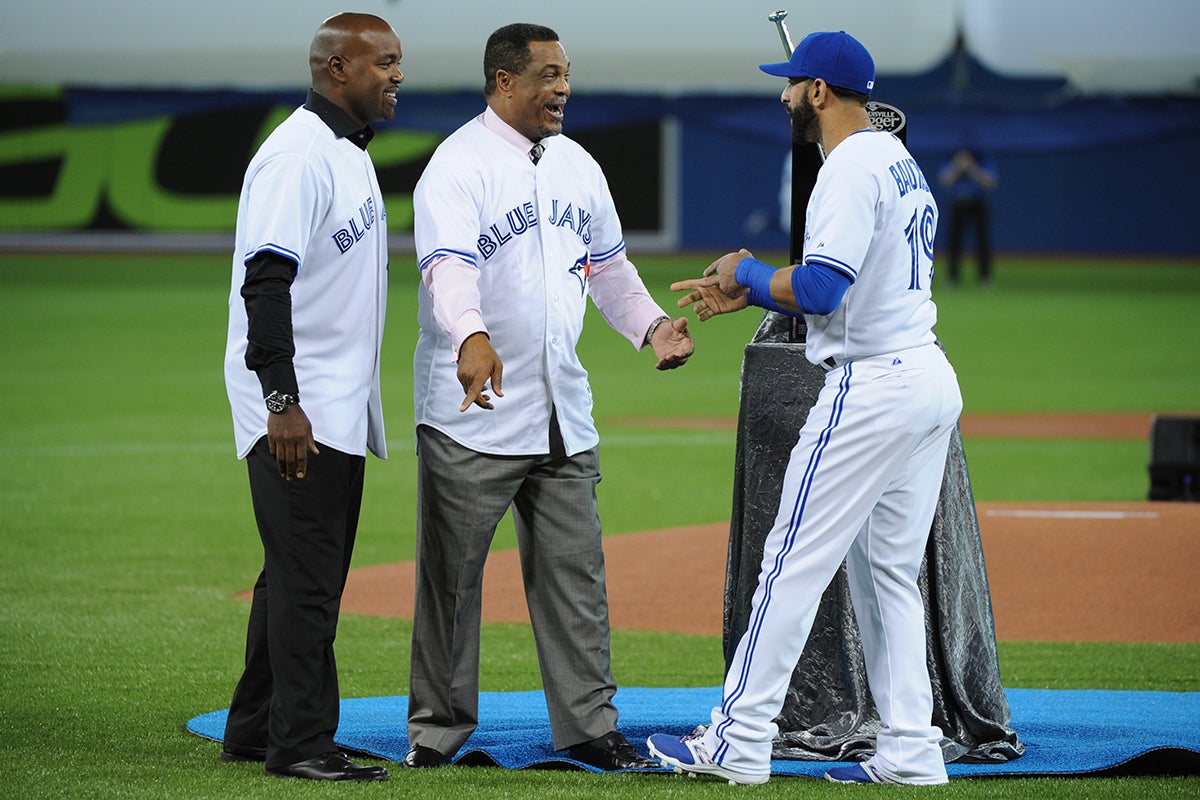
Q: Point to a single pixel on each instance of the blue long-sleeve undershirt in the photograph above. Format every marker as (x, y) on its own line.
(817, 288)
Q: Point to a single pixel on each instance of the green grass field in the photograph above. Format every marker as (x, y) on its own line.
(126, 525)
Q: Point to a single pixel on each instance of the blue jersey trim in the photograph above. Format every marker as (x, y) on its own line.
(609, 253)
(278, 250)
(840, 266)
(444, 251)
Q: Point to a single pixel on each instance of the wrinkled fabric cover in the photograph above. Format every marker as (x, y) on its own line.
(828, 713)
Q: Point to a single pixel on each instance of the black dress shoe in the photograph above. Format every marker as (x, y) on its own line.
(234, 753)
(419, 757)
(329, 767)
(611, 752)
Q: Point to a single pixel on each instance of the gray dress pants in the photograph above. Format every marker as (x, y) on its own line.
(461, 497)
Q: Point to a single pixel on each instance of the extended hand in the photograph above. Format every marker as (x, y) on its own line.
(724, 269)
(708, 298)
(718, 292)
(479, 363)
(672, 344)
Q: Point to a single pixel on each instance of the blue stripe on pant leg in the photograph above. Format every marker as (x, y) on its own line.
(797, 517)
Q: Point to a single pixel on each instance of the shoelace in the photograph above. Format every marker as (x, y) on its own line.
(699, 750)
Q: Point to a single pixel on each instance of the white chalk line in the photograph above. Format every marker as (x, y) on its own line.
(1050, 514)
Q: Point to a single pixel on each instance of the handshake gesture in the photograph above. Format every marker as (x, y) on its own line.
(718, 292)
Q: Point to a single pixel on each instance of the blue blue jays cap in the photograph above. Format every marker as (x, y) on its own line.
(837, 58)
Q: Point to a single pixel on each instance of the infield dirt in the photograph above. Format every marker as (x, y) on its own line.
(1120, 572)
(1057, 571)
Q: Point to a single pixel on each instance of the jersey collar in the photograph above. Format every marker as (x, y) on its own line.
(492, 121)
(338, 120)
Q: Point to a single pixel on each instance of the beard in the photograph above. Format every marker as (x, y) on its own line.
(806, 128)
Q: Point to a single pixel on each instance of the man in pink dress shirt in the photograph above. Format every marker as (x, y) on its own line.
(515, 228)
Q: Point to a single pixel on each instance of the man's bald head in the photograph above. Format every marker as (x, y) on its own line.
(338, 35)
(354, 59)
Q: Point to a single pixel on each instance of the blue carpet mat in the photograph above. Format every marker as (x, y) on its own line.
(1074, 732)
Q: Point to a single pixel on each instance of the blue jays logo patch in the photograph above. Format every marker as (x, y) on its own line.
(581, 270)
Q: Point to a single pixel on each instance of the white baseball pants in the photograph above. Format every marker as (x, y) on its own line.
(862, 485)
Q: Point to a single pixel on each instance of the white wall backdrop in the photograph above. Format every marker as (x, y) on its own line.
(1123, 46)
(670, 46)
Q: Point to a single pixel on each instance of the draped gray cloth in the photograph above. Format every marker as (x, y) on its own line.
(828, 713)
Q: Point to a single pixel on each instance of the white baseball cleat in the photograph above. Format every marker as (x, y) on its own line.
(686, 754)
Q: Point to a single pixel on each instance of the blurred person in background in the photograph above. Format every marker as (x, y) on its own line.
(970, 178)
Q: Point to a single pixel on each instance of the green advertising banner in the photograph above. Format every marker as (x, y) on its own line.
(164, 173)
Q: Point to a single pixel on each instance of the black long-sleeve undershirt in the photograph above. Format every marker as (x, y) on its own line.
(270, 347)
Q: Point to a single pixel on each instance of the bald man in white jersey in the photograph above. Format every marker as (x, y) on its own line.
(306, 314)
(863, 480)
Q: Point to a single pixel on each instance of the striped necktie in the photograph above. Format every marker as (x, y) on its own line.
(535, 152)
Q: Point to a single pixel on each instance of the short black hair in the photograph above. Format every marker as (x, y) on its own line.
(840, 92)
(508, 49)
(849, 94)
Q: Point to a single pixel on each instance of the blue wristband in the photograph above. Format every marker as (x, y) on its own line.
(756, 276)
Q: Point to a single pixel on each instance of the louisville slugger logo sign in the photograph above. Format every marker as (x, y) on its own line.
(884, 117)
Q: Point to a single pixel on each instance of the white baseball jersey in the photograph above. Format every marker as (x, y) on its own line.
(313, 198)
(534, 234)
(872, 216)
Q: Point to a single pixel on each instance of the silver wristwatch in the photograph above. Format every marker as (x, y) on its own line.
(278, 402)
(653, 327)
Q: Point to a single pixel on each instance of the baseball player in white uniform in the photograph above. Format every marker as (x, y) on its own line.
(306, 314)
(515, 229)
(864, 477)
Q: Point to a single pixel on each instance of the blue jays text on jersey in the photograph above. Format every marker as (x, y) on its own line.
(347, 237)
(521, 219)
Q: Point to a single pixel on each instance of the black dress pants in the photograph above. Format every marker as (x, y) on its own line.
(287, 698)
